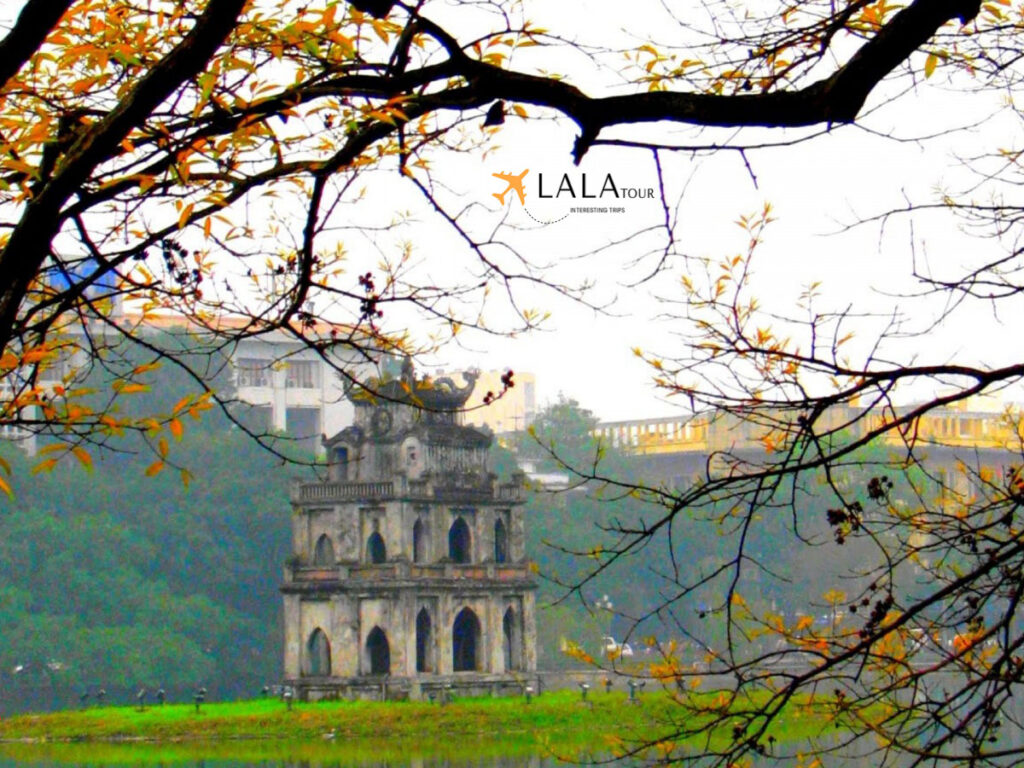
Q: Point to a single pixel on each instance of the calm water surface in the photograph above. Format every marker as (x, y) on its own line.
(463, 753)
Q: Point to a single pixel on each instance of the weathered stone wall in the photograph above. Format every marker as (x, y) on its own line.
(292, 641)
(350, 597)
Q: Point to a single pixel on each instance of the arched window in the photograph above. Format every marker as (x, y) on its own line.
(419, 542)
(500, 542)
(318, 654)
(466, 642)
(376, 552)
(458, 541)
(339, 464)
(512, 644)
(323, 553)
(423, 642)
(379, 652)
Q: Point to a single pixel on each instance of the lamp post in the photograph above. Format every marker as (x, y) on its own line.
(635, 685)
(584, 687)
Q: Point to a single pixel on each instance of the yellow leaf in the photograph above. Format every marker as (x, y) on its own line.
(6, 488)
(154, 468)
(186, 477)
(162, 446)
(930, 64)
(186, 212)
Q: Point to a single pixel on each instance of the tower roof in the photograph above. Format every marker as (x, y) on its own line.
(441, 394)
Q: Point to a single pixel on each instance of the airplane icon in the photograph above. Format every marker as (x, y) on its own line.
(515, 184)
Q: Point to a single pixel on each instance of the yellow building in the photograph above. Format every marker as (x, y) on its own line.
(511, 410)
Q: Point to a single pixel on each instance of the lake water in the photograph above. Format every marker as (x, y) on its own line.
(461, 752)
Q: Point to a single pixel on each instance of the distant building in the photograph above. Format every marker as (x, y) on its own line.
(514, 411)
(290, 386)
(955, 441)
(409, 573)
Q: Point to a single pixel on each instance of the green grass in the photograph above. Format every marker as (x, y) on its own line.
(362, 731)
(270, 719)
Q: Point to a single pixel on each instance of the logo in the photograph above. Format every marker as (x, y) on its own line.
(574, 192)
(515, 184)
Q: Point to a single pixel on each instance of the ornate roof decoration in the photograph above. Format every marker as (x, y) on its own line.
(429, 394)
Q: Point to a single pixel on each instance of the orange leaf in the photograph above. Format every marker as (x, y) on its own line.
(176, 428)
(44, 466)
(83, 457)
(146, 367)
(155, 468)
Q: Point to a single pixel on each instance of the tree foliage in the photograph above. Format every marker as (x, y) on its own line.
(118, 581)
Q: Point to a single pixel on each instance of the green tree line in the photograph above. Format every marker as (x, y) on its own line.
(115, 579)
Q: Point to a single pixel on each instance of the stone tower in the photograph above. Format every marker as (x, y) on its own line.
(409, 571)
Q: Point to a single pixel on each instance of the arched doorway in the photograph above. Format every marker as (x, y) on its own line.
(318, 654)
(379, 651)
(512, 644)
(500, 542)
(376, 552)
(458, 542)
(419, 542)
(423, 642)
(323, 553)
(466, 642)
